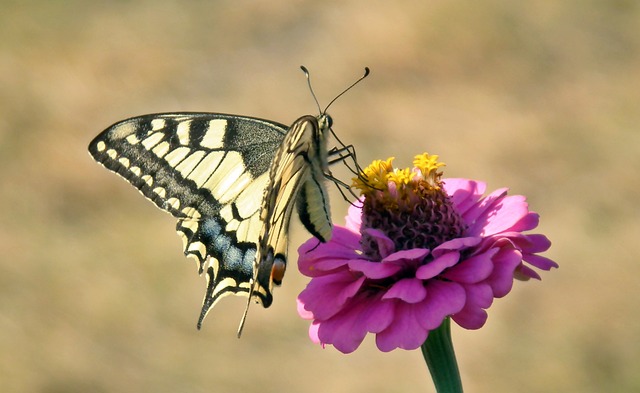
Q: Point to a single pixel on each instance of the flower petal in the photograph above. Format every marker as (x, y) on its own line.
(379, 315)
(505, 263)
(503, 213)
(532, 243)
(313, 333)
(354, 216)
(458, 244)
(527, 243)
(409, 290)
(438, 265)
(464, 193)
(527, 223)
(374, 270)
(524, 272)
(304, 313)
(346, 330)
(473, 315)
(473, 269)
(405, 257)
(339, 287)
(342, 332)
(443, 299)
(480, 209)
(385, 245)
(342, 240)
(471, 318)
(405, 332)
(316, 258)
(539, 261)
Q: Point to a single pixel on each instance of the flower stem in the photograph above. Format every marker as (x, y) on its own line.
(441, 359)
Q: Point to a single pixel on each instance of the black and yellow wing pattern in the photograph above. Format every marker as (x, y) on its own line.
(232, 183)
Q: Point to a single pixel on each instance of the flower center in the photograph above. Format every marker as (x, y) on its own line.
(408, 205)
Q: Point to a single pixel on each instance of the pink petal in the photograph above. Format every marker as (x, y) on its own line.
(409, 290)
(533, 243)
(406, 257)
(528, 243)
(473, 269)
(505, 264)
(322, 267)
(476, 212)
(540, 262)
(342, 333)
(443, 299)
(354, 216)
(478, 295)
(464, 193)
(346, 330)
(379, 315)
(315, 258)
(304, 314)
(385, 245)
(473, 315)
(405, 332)
(437, 266)
(527, 223)
(313, 332)
(325, 296)
(342, 240)
(527, 272)
(503, 214)
(471, 318)
(374, 270)
(457, 244)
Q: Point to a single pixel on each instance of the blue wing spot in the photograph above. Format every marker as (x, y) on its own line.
(211, 227)
(235, 258)
(221, 242)
(249, 257)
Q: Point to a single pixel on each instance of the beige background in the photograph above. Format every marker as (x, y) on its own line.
(539, 96)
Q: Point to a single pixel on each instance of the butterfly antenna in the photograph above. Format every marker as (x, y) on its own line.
(366, 73)
(306, 74)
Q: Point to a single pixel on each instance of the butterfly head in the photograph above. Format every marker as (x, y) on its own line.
(325, 121)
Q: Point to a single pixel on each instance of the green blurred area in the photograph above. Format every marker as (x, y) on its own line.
(542, 97)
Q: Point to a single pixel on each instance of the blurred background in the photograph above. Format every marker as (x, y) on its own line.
(542, 97)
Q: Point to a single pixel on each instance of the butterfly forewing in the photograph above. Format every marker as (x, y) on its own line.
(209, 171)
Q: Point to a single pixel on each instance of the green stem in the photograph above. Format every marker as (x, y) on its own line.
(441, 359)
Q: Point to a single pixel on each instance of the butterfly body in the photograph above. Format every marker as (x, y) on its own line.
(232, 183)
(305, 142)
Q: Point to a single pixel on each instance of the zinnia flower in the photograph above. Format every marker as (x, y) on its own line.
(417, 249)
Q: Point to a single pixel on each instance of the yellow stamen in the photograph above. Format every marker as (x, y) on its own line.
(378, 175)
(428, 164)
(400, 177)
(374, 176)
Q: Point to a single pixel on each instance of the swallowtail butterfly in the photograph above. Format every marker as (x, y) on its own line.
(232, 183)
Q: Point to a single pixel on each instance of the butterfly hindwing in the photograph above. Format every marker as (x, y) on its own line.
(209, 171)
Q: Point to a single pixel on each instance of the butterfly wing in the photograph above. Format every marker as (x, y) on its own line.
(210, 172)
(296, 176)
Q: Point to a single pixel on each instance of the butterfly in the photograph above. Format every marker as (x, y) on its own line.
(232, 183)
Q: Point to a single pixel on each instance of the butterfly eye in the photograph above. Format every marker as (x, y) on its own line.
(329, 121)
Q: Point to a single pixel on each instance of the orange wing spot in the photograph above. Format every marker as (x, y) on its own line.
(277, 271)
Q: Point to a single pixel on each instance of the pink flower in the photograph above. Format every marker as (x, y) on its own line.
(419, 250)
